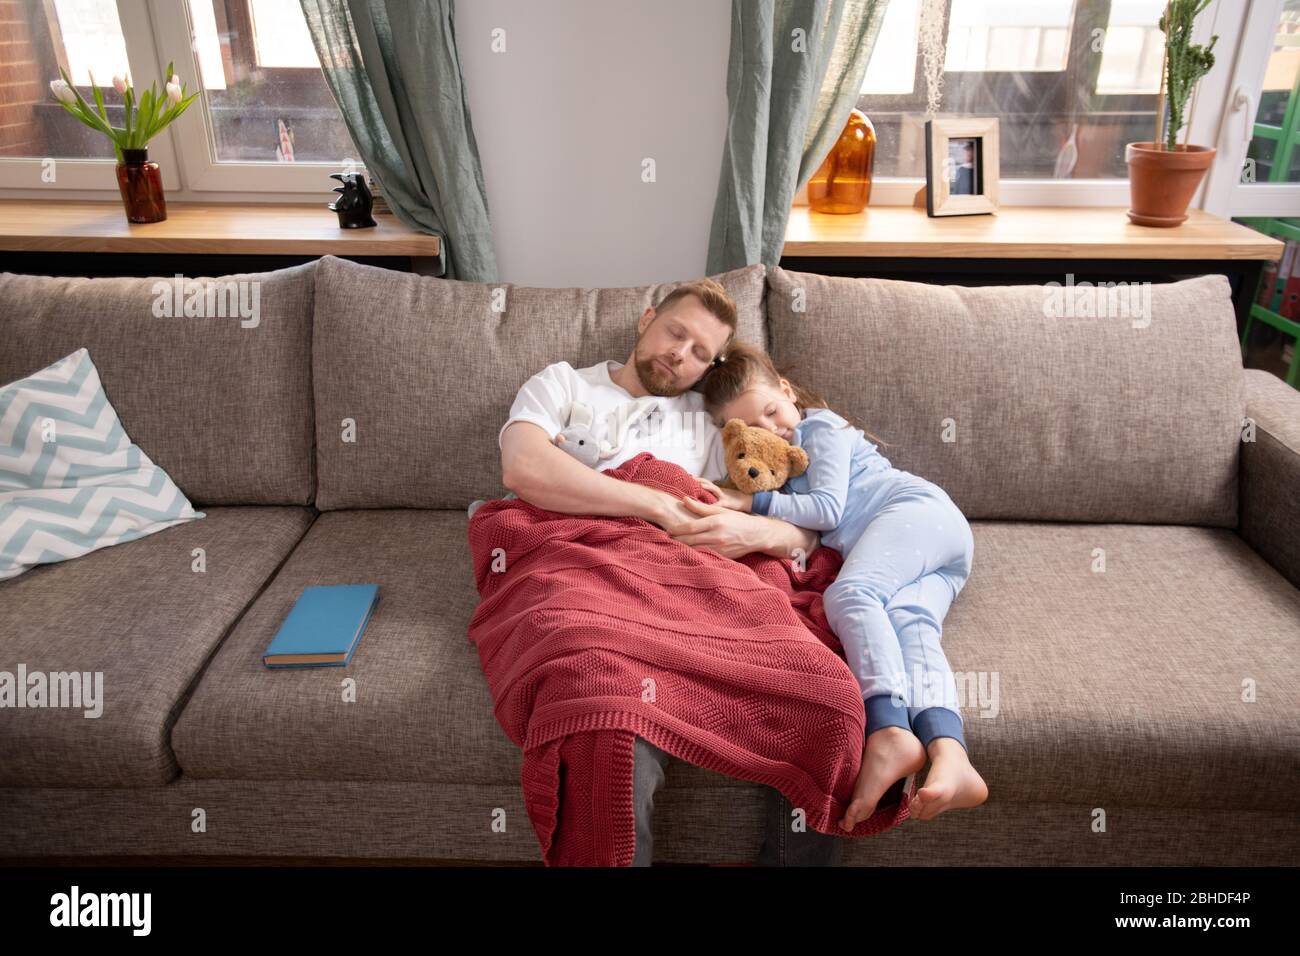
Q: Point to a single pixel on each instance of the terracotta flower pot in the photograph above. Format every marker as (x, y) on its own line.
(1163, 181)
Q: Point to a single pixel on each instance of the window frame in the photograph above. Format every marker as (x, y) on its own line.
(1236, 45)
(1242, 85)
(184, 150)
(194, 139)
(100, 174)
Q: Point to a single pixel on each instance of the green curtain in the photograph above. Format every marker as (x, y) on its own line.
(395, 72)
(788, 96)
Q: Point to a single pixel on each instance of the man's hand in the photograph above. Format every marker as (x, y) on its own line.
(729, 533)
(670, 514)
(732, 534)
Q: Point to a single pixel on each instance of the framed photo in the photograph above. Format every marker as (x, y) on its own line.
(961, 166)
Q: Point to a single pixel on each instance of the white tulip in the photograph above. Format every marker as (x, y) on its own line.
(62, 92)
(173, 94)
(119, 83)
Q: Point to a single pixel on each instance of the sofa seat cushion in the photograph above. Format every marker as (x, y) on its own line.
(1128, 686)
(414, 376)
(1122, 687)
(144, 617)
(422, 708)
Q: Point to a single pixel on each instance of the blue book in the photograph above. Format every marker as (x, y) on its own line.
(323, 628)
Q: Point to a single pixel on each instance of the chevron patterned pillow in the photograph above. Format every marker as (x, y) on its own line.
(71, 481)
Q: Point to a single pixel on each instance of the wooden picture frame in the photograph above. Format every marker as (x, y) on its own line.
(957, 184)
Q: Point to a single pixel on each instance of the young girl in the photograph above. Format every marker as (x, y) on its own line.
(907, 552)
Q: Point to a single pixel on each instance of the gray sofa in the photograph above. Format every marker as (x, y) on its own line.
(1129, 637)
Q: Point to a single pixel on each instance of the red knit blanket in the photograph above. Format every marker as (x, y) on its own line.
(593, 629)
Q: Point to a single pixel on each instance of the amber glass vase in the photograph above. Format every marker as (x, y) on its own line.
(140, 183)
(843, 183)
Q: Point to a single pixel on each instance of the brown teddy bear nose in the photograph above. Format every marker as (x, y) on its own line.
(753, 472)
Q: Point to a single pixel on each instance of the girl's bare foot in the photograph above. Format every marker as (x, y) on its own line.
(951, 784)
(890, 754)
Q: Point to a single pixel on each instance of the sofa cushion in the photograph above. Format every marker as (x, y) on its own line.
(422, 711)
(222, 404)
(424, 371)
(1122, 687)
(1165, 680)
(141, 615)
(1019, 411)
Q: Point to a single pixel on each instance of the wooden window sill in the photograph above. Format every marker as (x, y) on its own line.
(202, 228)
(1020, 232)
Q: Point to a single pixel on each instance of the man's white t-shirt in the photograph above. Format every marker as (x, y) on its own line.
(673, 428)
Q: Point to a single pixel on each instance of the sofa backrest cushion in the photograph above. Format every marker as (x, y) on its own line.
(220, 401)
(414, 376)
(1022, 403)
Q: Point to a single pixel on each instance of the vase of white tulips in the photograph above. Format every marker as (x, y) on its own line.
(138, 180)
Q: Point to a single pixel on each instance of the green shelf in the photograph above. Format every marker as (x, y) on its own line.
(1268, 314)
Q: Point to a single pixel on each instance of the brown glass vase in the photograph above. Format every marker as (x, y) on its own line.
(842, 184)
(140, 183)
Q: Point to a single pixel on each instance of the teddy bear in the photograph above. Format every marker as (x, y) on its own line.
(757, 459)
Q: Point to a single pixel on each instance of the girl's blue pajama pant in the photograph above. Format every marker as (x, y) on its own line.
(904, 563)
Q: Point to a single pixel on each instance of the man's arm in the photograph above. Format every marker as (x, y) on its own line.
(536, 470)
(543, 475)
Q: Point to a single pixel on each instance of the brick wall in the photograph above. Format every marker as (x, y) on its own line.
(22, 83)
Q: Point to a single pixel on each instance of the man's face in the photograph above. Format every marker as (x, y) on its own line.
(675, 348)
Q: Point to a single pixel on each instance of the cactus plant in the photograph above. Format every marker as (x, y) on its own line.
(1185, 62)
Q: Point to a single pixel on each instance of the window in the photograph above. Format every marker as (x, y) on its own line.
(1071, 81)
(84, 37)
(90, 35)
(266, 120)
(267, 101)
(1007, 37)
(1272, 154)
(280, 35)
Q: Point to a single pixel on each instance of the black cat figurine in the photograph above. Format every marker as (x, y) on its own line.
(355, 201)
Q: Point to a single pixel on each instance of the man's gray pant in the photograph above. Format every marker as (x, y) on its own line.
(781, 845)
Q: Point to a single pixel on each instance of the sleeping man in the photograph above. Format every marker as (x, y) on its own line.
(646, 405)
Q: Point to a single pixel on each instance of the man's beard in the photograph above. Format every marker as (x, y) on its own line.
(654, 379)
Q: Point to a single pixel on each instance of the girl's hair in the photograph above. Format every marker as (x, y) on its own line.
(744, 366)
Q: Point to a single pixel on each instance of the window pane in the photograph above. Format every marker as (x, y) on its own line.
(1071, 82)
(1007, 35)
(892, 68)
(1272, 151)
(266, 97)
(280, 35)
(82, 36)
(1133, 50)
